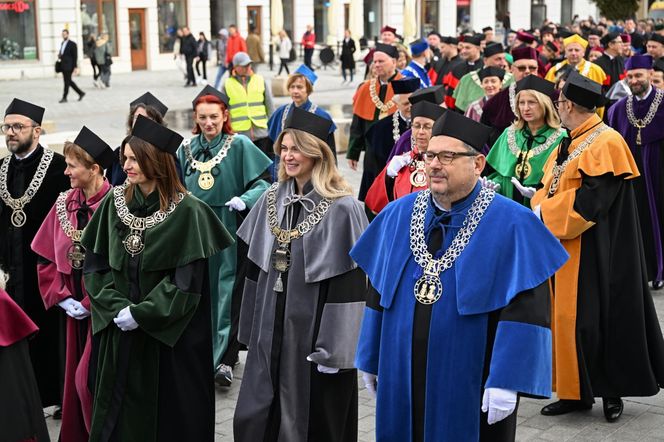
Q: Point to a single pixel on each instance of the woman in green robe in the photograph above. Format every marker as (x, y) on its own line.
(147, 250)
(224, 170)
(519, 154)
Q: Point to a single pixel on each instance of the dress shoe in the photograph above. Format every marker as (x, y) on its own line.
(657, 285)
(64, 100)
(80, 97)
(564, 406)
(613, 408)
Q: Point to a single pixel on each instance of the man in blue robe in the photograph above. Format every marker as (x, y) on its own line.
(417, 66)
(457, 326)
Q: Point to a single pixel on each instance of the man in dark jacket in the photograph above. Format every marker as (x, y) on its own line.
(189, 49)
(68, 58)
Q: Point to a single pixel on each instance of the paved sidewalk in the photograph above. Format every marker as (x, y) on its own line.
(105, 112)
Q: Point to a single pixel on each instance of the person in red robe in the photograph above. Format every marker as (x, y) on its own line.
(60, 270)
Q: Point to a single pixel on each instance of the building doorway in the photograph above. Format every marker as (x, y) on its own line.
(137, 39)
(254, 19)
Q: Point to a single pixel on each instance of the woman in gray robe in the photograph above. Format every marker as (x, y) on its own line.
(304, 297)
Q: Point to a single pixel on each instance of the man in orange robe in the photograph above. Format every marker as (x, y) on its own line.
(606, 338)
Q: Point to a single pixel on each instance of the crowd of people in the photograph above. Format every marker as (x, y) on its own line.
(504, 243)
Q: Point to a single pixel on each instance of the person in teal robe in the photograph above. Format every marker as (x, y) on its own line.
(518, 156)
(226, 171)
(147, 247)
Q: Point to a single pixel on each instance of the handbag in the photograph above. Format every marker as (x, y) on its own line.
(58, 66)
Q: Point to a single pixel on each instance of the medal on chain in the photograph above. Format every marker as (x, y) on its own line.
(76, 252)
(206, 178)
(642, 123)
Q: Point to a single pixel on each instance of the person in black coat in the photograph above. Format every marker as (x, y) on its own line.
(189, 48)
(68, 58)
(347, 56)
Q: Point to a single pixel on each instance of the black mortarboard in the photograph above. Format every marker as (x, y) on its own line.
(488, 28)
(656, 37)
(608, 38)
(552, 46)
(159, 136)
(96, 147)
(405, 85)
(309, 122)
(455, 125)
(491, 71)
(150, 100)
(596, 32)
(20, 107)
(583, 91)
(659, 26)
(209, 90)
(537, 84)
(433, 94)
(387, 49)
(659, 65)
(473, 39)
(493, 49)
(564, 33)
(451, 40)
(427, 110)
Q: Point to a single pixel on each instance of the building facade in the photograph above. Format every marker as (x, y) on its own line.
(142, 32)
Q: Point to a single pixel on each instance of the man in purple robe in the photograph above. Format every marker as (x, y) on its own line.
(499, 110)
(640, 120)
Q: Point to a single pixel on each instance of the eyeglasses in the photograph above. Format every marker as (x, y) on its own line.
(556, 103)
(525, 68)
(15, 127)
(446, 157)
(427, 127)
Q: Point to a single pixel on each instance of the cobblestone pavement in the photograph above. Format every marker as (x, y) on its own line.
(105, 111)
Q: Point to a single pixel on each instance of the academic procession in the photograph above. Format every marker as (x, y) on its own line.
(505, 246)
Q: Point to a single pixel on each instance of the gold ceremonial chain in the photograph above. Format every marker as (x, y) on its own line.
(206, 179)
(559, 169)
(524, 166)
(133, 243)
(382, 107)
(642, 123)
(76, 252)
(281, 255)
(18, 217)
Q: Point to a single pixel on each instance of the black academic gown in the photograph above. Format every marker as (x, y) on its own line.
(18, 259)
(443, 66)
(382, 140)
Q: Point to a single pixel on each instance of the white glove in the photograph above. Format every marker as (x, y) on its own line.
(236, 203)
(537, 210)
(526, 192)
(397, 163)
(499, 403)
(371, 383)
(327, 370)
(125, 321)
(486, 182)
(73, 308)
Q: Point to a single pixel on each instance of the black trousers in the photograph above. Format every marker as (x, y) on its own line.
(308, 54)
(283, 65)
(66, 75)
(190, 70)
(198, 72)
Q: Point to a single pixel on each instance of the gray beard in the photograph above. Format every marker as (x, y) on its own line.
(21, 148)
(639, 90)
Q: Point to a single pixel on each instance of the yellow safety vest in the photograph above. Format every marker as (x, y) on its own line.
(247, 106)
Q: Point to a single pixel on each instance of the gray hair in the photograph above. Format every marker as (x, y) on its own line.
(4, 277)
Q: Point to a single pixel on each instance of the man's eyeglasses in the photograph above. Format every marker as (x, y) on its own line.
(556, 103)
(526, 68)
(427, 127)
(15, 127)
(446, 157)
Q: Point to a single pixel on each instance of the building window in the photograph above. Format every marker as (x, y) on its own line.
(172, 16)
(429, 16)
(97, 18)
(18, 37)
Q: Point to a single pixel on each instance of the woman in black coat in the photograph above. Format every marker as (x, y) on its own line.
(347, 56)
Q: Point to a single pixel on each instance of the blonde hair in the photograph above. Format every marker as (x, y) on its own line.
(551, 117)
(325, 176)
(4, 277)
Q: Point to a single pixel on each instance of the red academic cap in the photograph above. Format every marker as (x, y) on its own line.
(387, 28)
(525, 37)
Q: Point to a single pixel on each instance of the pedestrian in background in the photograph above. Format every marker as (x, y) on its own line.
(68, 59)
(90, 51)
(235, 44)
(102, 56)
(189, 48)
(204, 49)
(177, 56)
(308, 43)
(255, 47)
(285, 46)
(347, 56)
(220, 47)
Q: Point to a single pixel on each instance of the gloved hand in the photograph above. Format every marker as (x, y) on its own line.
(371, 383)
(499, 403)
(73, 308)
(486, 182)
(327, 370)
(80, 312)
(125, 321)
(397, 163)
(236, 203)
(537, 210)
(526, 192)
